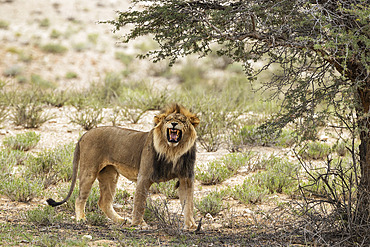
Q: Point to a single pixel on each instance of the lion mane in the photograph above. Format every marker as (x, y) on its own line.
(166, 152)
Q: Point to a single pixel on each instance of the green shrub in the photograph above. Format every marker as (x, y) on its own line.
(166, 188)
(7, 162)
(86, 116)
(42, 216)
(71, 75)
(51, 166)
(21, 189)
(315, 150)
(124, 58)
(23, 142)
(249, 192)
(279, 176)
(13, 71)
(56, 98)
(54, 48)
(214, 172)
(80, 47)
(211, 204)
(235, 161)
(15, 157)
(111, 89)
(256, 136)
(45, 23)
(41, 83)
(341, 148)
(96, 218)
(217, 171)
(4, 24)
(25, 57)
(28, 111)
(93, 38)
(3, 112)
(55, 34)
(136, 101)
(133, 115)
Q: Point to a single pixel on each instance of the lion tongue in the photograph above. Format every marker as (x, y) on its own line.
(173, 135)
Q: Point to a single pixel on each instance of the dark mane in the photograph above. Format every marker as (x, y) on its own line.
(164, 171)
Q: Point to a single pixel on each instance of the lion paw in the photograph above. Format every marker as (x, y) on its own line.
(141, 225)
(123, 221)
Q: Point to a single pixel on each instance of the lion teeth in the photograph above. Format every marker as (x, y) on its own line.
(173, 134)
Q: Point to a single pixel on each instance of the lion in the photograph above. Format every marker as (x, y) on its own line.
(166, 152)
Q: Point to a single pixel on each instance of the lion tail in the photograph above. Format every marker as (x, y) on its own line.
(76, 161)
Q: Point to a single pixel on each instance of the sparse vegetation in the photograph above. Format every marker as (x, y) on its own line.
(166, 188)
(38, 82)
(4, 24)
(217, 171)
(42, 216)
(93, 38)
(278, 176)
(212, 203)
(124, 58)
(71, 75)
(23, 142)
(54, 48)
(28, 111)
(249, 192)
(80, 47)
(51, 166)
(87, 116)
(44, 23)
(21, 189)
(13, 71)
(55, 34)
(315, 150)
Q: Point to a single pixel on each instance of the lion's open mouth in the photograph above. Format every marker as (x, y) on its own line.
(174, 135)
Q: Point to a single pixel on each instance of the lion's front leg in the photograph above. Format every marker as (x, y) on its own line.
(141, 193)
(186, 191)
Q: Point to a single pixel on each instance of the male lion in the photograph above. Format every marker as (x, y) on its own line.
(164, 153)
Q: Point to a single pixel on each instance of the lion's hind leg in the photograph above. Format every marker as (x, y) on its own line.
(86, 182)
(108, 178)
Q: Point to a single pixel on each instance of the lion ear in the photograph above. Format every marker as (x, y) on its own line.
(194, 121)
(158, 119)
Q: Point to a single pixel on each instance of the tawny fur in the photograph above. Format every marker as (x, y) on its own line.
(145, 157)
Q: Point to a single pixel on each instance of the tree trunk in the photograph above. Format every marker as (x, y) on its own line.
(363, 203)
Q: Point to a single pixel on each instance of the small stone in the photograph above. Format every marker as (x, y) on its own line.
(324, 138)
(248, 211)
(87, 237)
(117, 206)
(209, 216)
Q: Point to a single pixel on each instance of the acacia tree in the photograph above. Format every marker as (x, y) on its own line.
(322, 47)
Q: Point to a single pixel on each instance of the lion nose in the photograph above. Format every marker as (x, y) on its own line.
(174, 125)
